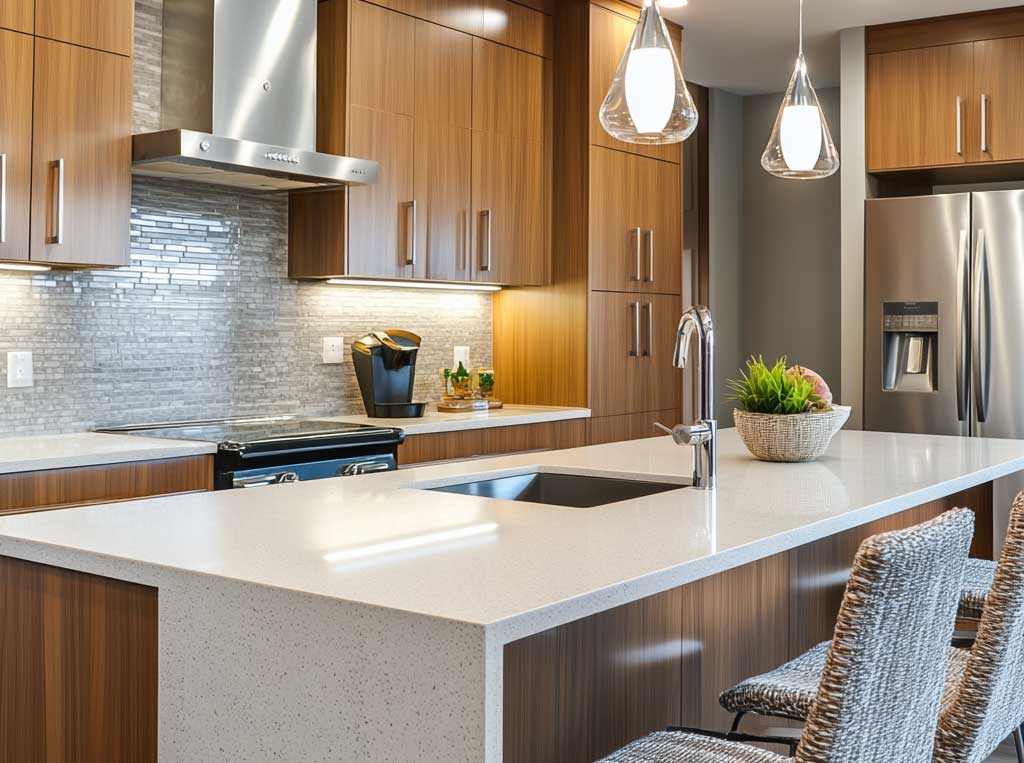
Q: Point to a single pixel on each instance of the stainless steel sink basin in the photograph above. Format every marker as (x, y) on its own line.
(572, 490)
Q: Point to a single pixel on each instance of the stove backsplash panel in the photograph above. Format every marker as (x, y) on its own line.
(205, 322)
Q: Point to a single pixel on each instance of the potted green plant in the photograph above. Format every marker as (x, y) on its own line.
(784, 413)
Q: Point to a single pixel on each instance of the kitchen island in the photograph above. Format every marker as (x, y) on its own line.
(371, 619)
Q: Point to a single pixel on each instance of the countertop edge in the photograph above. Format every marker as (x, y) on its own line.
(167, 450)
(481, 421)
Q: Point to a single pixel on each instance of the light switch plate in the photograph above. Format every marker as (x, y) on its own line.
(19, 369)
(334, 350)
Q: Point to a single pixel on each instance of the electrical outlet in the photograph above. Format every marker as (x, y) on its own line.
(19, 369)
(334, 350)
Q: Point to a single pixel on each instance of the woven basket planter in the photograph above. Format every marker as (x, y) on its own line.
(792, 438)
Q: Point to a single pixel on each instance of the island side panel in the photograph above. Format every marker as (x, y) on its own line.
(78, 666)
(579, 691)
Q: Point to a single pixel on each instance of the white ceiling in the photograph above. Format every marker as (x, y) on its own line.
(749, 46)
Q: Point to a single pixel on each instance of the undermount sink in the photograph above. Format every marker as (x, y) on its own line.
(579, 491)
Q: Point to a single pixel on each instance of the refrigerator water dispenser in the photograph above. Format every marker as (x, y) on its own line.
(910, 346)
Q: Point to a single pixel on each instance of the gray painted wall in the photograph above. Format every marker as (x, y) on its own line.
(725, 239)
(791, 252)
(204, 322)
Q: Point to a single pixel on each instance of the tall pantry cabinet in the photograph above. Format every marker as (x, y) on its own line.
(601, 336)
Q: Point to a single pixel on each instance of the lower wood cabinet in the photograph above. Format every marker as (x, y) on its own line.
(472, 443)
(570, 696)
(632, 426)
(61, 488)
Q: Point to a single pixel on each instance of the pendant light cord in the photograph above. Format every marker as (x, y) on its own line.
(801, 27)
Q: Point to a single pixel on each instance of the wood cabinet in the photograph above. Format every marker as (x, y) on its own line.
(636, 230)
(632, 338)
(102, 24)
(494, 441)
(458, 124)
(81, 172)
(944, 93)
(632, 426)
(15, 144)
(17, 15)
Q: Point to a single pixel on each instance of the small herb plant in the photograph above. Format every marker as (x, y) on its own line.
(775, 390)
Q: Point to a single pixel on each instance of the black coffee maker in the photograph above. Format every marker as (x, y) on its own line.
(385, 364)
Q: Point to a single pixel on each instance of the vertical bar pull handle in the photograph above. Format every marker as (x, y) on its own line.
(485, 261)
(650, 256)
(649, 310)
(984, 123)
(638, 234)
(58, 234)
(962, 328)
(3, 198)
(959, 126)
(634, 313)
(982, 344)
(410, 244)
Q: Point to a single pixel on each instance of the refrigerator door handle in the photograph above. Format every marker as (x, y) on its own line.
(982, 336)
(962, 331)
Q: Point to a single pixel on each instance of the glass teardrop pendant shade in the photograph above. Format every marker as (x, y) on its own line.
(648, 101)
(801, 146)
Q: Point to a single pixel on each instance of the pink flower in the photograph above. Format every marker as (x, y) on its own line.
(821, 390)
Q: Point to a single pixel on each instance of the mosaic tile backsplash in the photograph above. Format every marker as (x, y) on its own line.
(205, 322)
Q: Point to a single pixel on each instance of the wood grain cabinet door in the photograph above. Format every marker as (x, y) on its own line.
(102, 24)
(443, 178)
(17, 15)
(999, 71)
(662, 382)
(660, 203)
(616, 341)
(921, 108)
(81, 156)
(616, 229)
(15, 144)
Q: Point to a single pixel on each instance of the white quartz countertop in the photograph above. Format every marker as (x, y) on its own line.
(517, 568)
(433, 421)
(65, 451)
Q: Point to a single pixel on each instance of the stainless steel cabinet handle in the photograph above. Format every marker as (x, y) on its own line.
(984, 123)
(365, 467)
(485, 262)
(959, 126)
(283, 478)
(634, 309)
(639, 234)
(962, 331)
(58, 236)
(650, 256)
(649, 311)
(410, 245)
(3, 198)
(982, 344)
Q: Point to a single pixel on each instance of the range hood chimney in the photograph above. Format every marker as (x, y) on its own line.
(238, 99)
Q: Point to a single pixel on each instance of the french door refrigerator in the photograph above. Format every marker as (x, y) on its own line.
(944, 318)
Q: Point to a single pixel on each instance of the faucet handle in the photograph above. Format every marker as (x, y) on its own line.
(695, 434)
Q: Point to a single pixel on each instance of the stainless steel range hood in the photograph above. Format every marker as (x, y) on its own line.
(238, 99)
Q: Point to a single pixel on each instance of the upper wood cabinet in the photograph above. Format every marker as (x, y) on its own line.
(458, 124)
(81, 156)
(610, 34)
(15, 144)
(17, 15)
(945, 92)
(102, 24)
(636, 219)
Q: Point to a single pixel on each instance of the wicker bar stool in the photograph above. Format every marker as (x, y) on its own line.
(983, 700)
(881, 686)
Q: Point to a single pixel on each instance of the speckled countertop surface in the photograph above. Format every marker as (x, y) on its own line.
(65, 451)
(433, 421)
(520, 568)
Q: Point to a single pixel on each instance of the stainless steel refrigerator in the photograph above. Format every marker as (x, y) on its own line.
(944, 317)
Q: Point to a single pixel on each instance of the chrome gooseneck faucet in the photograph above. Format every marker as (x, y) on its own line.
(702, 433)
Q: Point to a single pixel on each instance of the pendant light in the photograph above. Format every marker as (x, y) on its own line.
(801, 146)
(648, 101)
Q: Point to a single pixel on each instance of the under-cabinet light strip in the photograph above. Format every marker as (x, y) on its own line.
(23, 266)
(414, 284)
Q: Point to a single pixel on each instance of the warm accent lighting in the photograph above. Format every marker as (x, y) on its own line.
(648, 102)
(23, 266)
(414, 284)
(801, 146)
(409, 542)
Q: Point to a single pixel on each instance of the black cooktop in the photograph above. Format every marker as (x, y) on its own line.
(278, 433)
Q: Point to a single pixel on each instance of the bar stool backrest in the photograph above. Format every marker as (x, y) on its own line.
(990, 700)
(883, 679)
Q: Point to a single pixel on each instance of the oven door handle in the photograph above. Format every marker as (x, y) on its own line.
(365, 467)
(264, 480)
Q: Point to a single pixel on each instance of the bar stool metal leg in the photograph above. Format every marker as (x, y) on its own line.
(736, 723)
(1018, 742)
